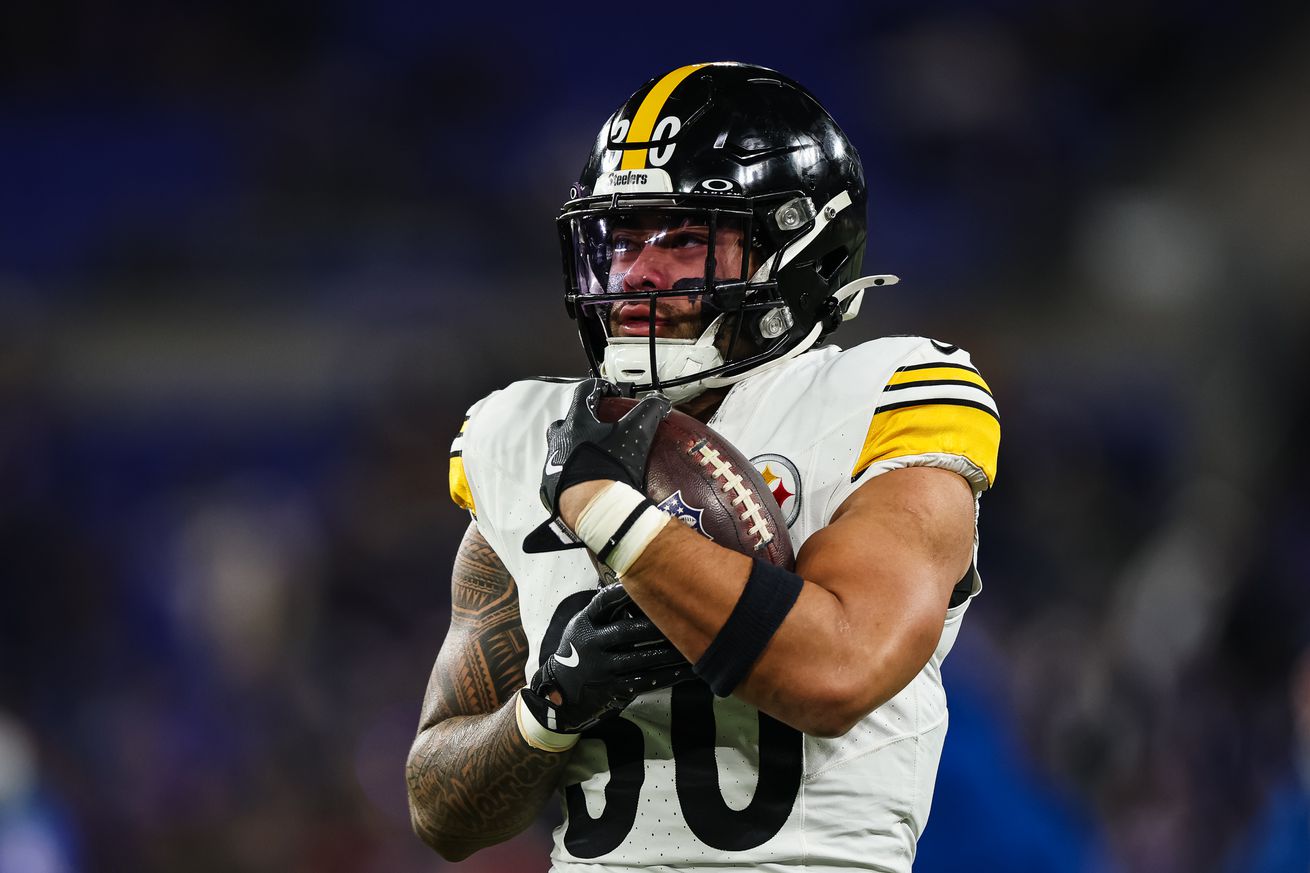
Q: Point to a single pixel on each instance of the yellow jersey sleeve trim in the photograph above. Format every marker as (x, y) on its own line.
(942, 426)
(460, 492)
(459, 485)
(932, 375)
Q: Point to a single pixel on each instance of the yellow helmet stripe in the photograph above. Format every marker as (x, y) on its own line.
(643, 123)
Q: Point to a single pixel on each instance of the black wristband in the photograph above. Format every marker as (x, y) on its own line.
(769, 595)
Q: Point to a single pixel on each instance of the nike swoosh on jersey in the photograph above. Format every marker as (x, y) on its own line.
(569, 660)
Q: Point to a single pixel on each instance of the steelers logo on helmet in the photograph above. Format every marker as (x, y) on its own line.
(783, 481)
(724, 207)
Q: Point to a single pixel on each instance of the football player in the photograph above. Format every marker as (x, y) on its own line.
(711, 710)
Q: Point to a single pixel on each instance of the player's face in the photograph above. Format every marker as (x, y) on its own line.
(657, 256)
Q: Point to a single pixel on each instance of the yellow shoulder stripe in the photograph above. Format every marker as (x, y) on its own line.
(933, 427)
(643, 122)
(935, 374)
(459, 484)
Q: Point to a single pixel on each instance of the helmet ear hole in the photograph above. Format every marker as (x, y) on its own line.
(830, 264)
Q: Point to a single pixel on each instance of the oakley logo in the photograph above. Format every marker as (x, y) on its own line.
(718, 186)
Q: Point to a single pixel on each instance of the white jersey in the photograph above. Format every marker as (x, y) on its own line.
(685, 781)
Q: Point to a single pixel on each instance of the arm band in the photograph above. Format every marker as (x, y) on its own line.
(618, 524)
(769, 595)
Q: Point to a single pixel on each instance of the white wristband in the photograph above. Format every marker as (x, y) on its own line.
(537, 735)
(618, 524)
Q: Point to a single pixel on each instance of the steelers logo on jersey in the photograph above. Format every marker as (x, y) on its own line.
(783, 481)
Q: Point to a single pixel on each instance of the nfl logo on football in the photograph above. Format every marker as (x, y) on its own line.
(689, 515)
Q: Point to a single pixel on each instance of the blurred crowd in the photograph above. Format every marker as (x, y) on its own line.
(256, 261)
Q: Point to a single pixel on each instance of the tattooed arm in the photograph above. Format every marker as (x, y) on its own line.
(473, 781)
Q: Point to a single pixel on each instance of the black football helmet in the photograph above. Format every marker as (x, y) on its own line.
(741, 181)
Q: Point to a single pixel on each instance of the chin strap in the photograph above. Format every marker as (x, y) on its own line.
(848, 297)
(825, 214)
(851, 295)
(803, 346)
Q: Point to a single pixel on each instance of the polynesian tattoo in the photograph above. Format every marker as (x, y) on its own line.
(473, 781)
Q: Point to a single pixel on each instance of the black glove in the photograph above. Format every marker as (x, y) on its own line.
(581, 447)
(610, 653)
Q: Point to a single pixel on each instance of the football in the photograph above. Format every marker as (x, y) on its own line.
(701, 479)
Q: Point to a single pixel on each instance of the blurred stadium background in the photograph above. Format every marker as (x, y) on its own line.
(256, 260)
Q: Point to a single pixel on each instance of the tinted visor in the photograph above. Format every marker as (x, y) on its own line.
(644, 251)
